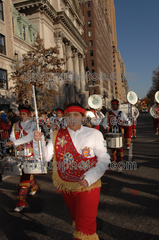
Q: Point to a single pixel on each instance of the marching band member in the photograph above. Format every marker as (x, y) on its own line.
(80, 160)
(21, 137)
(5, 127)
(134, 122)
(59, 121)
(156, 120)
(114, 122)
(127, 130)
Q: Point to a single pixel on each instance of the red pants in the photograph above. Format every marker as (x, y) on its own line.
(26, 181)
(127, 135)
(117, 154)
(83, 210)
(156, 122)
(134, 129)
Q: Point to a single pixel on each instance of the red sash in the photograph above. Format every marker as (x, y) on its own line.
(70, 164)
(111, 115)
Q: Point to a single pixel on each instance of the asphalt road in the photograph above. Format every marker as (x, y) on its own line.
(129, 202)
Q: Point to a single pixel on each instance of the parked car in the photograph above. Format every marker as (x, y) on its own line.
(144, 110)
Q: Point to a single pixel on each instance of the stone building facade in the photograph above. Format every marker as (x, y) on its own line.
(59, 23)
(6, 52)
(99, 59)
(120, 81)
(16, 38)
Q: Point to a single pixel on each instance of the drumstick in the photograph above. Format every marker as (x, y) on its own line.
(37, 125)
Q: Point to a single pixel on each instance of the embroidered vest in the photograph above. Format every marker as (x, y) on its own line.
(68, 164)
(19, 132)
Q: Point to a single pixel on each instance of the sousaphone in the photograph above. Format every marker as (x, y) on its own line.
(153, 110)
(157, 96)
(132, 99)
(95, 102)
(127, 108)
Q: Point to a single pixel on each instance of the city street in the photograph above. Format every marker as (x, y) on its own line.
(129, 201)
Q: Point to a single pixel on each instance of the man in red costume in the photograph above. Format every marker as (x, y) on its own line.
(21, 137)
(80, 160)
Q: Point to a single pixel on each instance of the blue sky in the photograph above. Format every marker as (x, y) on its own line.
(137, 24)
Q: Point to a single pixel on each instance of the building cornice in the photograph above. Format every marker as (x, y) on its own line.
(76, 10)
(22, 42)
(42, 5)
(2, 56)
(63, 18)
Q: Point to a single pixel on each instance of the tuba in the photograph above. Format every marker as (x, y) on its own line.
(132, 99)
(153, 110)
(95, 102)
(131, 111)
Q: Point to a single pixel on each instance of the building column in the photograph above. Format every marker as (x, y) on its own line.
(60, 86)
(84, 93)
(76, 76)
(70, 74)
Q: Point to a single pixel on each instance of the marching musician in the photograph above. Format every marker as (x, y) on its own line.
(21, 137)
(127, 130)
(5, 127)
(134, 122)
(156, 120)
(59, 121)
(80, 160)
(114, 122)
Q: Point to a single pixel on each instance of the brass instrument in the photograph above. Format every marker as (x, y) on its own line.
(153, 111)
(131, 111)
(93, 118)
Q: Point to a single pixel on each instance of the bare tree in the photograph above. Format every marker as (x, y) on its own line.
(41, 67)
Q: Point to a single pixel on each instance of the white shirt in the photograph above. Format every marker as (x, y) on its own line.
(123, 117)
(29, 127)
(84, 137)
(97, 119)
(134, 112)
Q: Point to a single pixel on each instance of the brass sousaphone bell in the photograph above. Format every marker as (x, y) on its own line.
(153, 111)
(127, 108)
(95, 102)
(132, 99)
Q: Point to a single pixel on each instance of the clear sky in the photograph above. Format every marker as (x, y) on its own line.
(137, 24)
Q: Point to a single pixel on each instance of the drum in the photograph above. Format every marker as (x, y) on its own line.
(114, 140)
(32, 166)
(11, 165)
